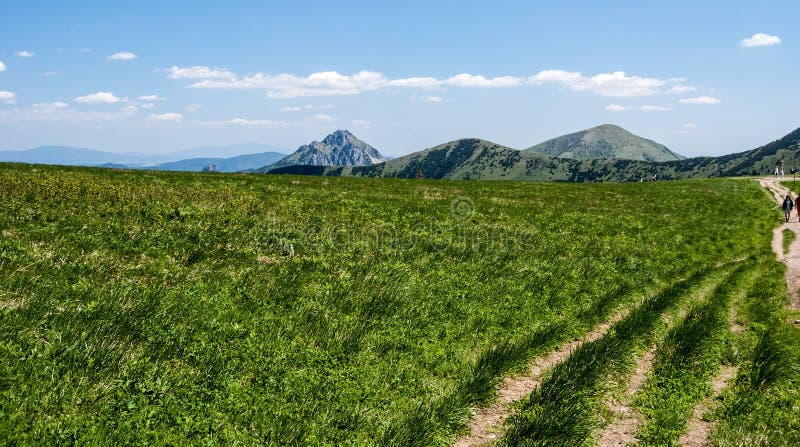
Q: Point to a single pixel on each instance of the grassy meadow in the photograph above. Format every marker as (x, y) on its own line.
(153, 308)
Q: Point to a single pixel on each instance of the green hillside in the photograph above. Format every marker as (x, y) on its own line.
(155, 308)
(606, 141)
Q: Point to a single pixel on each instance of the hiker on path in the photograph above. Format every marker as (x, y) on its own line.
(776, 171)
(787, 206)
(797, 207)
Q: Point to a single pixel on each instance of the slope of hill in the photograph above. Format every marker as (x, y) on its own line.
(341, 148)
(233, 164)
(227, 151)
(606, 141)
(762, 160)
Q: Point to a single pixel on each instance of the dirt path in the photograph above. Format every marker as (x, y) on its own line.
(486, 426)
(792, 259)
(626, 420)
(699, 428)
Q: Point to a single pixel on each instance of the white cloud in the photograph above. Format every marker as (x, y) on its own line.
(166, 118)
(617, 108)
(147, 105)
(644, 108)
(2, 66)
(129, 110)
(51, 105)
(8, 97)
(468, 80)
(651, 108)
(24, 53)
(322, 117)
(329, 83)
(60, 111)
(556, 76)
(690, 129)
(98, 98)
(193, 108)
(198, 72)
(361, 123)
(123, 56)
(760, 40)
(243, 122)
(459, 80)
(700, 100)
(418, 82)
(307, 107)
(51, 73)
(151, 98)
(85, 50)
(434, 99)
(680, 89)
(616, 84)
(318, 84)
(249, 122)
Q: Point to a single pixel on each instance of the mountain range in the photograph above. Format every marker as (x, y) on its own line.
(477, 159)
(232, 164)
(257, 155)
(603, 153)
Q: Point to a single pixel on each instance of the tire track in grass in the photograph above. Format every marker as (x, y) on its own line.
(699, 428)
(563, 410)
(688, 361)
(487, 422)
(625, 419)
(761, 407)
(432, 420)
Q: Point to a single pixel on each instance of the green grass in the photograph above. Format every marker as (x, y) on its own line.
(685, 363)
(172, 309)
(788, 237)
(563, 410)
(762, 407)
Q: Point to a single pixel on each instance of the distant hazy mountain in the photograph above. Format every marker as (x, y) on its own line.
(341, 148)
(66, 155)
(229, 151)
(606, 141)
(239, 156)
(233, 164)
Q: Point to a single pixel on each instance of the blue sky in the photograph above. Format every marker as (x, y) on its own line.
(704, 79)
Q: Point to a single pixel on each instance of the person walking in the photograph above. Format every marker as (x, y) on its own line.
(787, 206)
(776, 171)
(797, 207)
